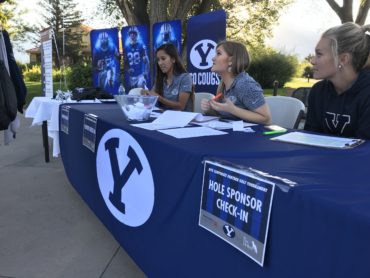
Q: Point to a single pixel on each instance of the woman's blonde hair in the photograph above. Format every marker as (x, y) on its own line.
(353, 39)
(240, 59)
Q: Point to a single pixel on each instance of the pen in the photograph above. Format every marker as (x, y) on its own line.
(217, 96)
(354, 143)
(274, 132)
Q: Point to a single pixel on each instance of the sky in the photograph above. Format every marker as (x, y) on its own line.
(297, 32)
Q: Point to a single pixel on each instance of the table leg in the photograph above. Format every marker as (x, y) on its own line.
(45, 140)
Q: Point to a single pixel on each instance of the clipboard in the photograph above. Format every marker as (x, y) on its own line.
(319, 140)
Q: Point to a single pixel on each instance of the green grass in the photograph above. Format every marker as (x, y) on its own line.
(34, 89)
(290, 86)
(300, 82)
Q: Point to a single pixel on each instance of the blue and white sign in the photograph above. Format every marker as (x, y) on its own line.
(105, 59)
(135, 42)
(125, 178)
(167, 32)
(204, 32)
(64, 118)
(236, 206)
(89, 131)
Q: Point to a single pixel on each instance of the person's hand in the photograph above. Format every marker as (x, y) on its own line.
(226, 106)
(144, 92)
(204, 104)
(148, 93)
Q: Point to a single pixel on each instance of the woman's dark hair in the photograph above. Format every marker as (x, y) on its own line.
(178, 67)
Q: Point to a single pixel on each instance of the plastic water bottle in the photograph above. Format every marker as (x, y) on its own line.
(121, 90)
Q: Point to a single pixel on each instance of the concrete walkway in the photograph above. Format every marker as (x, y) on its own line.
(46, 229)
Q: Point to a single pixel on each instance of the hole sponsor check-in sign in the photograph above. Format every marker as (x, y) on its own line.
(236, 206)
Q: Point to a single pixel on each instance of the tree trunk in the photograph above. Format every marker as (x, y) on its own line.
(345, 12)
(363, 12)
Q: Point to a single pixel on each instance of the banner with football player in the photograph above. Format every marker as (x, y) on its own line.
(167, 32)
(135, 43)
(204, 32)
(105, 59)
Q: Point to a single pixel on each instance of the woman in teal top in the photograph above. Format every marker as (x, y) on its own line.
(173, 85)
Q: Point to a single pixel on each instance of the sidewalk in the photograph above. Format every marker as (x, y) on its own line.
(46, 229)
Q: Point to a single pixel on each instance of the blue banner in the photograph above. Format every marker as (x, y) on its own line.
(167, 32)
(135, 44)
(105, 59)
(204, 32)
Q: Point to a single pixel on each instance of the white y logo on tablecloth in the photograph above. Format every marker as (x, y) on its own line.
(125, 178)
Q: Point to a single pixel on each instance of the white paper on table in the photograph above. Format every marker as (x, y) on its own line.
(156, 108)
(318, 140)
(200, 118)
(220, 125)
(191, 132)
(238, 126)
(153, 126)
(155, 114)
(169, 119)
(175, 118)
(248, 130)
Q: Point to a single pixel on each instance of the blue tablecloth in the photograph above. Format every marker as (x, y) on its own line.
(320, 228)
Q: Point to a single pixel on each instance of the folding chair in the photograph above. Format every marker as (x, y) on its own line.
(198, 99)
(286, 111)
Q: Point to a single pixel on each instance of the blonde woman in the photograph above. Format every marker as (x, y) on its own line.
(340, 103)
(239, 95)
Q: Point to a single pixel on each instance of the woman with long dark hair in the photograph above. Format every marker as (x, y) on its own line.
(173, 85)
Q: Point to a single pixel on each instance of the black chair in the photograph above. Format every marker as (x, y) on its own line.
(302, 94)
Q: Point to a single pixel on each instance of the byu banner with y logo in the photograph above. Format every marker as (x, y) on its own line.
(204, 32)
(125, 178)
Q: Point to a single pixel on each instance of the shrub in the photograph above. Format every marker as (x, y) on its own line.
(57, 75)
(33, 74)
(22, 67)
(269, 65)
(303, 69)
(80, 75)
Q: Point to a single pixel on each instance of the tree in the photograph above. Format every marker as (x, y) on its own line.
(64, 19)
(249, 21)
(11, 20)
(269, 65)
(345, 11)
